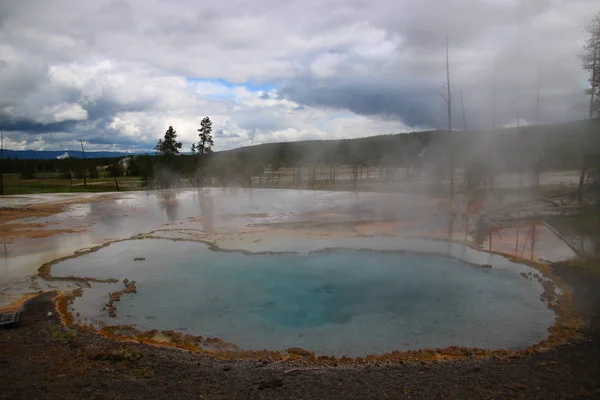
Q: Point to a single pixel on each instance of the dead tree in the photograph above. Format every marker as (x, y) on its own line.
(448, 101)
(354, 175)
(536, 165)
(537, 103)
(464, 117)
(494, 100)
(83, 162)
(591, 63)
(450, 119)
(115, 171)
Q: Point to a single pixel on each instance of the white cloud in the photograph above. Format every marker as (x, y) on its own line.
(125, 126)
(117, 73)
(62, 112)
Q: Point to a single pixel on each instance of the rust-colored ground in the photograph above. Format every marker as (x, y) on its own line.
(31, 230)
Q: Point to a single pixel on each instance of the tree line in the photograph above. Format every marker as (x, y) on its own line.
(552, 147)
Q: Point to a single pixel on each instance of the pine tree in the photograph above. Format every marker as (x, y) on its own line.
(591, 63)
(169, 146)
(206, 140)
(193, 148)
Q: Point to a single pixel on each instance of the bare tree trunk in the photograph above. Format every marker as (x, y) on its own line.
(537, 105)
(584, 167)
(594, 76)
(584, 163)
(464, 118)
(536, 167)
(494, 100)
(533, 240)
(116, 183)
(83, 161)
(517, 242)
(449, 104)
(448, 85)
(492, 164)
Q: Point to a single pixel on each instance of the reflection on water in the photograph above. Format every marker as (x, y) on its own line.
(206, 209)
(168, 201)
(229, 210)
(528, 239)
(450, 228)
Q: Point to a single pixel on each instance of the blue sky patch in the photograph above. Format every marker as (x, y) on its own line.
(251, 86)
(323, 123)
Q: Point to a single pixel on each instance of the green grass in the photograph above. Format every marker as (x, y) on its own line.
(15, 185)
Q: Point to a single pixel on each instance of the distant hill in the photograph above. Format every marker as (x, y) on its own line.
(50, 155)
(511, 145)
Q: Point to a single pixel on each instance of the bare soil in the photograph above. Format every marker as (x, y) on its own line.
(43, 359)
(13, 228)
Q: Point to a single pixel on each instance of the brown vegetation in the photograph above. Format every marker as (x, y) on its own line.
(116, 296)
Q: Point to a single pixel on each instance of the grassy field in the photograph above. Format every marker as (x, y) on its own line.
(54, 183)
(13, 184)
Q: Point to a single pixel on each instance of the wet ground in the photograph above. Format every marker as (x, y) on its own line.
(40, 228)
(39, 356)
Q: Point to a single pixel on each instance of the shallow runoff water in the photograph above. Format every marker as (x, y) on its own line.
(341, 302)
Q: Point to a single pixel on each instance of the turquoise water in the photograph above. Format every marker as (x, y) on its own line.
(347, 302)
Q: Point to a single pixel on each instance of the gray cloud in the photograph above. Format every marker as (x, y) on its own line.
(221, 134)
(112, 72)
(410, 103)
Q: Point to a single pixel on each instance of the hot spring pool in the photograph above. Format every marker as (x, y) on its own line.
(342, 302)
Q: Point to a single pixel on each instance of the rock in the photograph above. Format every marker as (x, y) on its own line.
(139, 259)
(9, 319)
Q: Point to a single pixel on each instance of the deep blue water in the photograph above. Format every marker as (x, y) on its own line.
(341, 303)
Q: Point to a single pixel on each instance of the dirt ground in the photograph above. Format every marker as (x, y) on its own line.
(42, 359)
(16, 220)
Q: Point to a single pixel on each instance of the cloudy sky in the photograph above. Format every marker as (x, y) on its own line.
(117, 73)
